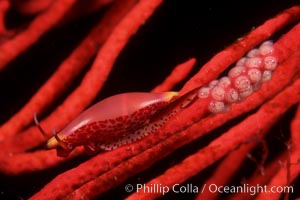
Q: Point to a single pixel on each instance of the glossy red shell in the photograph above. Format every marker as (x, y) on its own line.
(109, 120)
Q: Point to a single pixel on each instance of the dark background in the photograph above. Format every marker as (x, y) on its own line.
(178, 30)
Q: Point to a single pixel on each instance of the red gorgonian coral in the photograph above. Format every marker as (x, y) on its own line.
(56, 57)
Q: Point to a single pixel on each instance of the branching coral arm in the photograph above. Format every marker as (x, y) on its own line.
(287, 174)
(4, 6)
(225, 170)
(170, 144)
(218, 148)
(213, 68)
(122, 153)
(93, 80)
(11, 49)
(180, 72)
(67, 71)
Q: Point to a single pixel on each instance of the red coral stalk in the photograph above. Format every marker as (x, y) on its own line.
(81, 8)
(43, 159)
(15, 164)
(67, 71)
(226, 170)
(109, 169)
(287, 174)
(259, 178)
(49, 159)
(169, 145)
(90, 85)
(212, 69)
(178, 74)
(47, 20)
(268, 114)
(31, 7)
(4, 6)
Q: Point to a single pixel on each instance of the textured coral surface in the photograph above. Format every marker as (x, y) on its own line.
(87, 52)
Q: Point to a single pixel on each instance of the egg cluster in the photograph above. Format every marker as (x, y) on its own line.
(243, 79)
